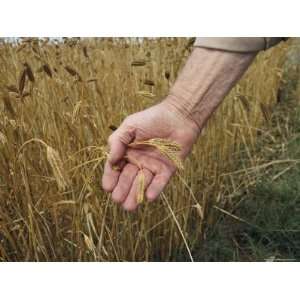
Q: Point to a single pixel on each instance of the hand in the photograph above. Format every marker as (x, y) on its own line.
(159, 121)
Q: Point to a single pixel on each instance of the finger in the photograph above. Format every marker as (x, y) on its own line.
(116, 150)
(118, 142)
(111, 175)
(157, 185)
(125, 182)
(130, 203)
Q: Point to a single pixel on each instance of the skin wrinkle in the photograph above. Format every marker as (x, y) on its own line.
(189, 82)
(205, 81)
(128, 135)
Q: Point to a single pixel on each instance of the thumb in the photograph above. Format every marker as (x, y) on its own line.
(118, 143)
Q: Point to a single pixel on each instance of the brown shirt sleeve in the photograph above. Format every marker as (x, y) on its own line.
(238, 44)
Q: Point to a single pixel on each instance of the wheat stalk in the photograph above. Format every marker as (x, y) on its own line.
(55, 162)
(167, 148)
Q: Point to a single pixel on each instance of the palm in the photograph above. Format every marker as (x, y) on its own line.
(155, 122)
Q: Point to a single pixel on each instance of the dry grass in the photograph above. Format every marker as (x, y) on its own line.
(58, 105)
(167, 148)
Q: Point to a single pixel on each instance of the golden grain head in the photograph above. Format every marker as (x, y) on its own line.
(138, 63)
(46, 68)
(167, 148)
(22, 80)
(29, 72)
(3, 138)
(118, 78)
(57, 168)
(141, 187)
(76, 111)
(146, 94)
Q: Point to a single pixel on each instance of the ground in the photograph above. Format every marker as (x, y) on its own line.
(265, 223)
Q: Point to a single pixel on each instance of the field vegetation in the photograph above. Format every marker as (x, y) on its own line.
(60, 100)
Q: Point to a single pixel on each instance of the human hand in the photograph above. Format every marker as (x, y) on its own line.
(160, 121)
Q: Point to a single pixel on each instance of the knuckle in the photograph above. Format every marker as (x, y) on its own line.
(127, 120)
(127, 124)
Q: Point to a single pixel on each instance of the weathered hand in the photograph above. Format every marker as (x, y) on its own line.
(159, 121)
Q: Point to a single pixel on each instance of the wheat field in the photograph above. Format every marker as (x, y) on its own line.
(61, 99)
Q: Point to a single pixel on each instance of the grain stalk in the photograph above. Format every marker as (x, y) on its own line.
(167, 148)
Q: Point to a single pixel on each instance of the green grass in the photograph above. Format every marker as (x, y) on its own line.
(265, 222)
(273, 210)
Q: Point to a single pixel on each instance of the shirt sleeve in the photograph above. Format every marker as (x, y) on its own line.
(238, 44)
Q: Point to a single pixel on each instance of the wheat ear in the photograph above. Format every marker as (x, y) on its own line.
(167, 148)
(57, 168)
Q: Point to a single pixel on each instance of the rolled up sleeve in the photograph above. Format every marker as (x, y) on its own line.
(238, 44)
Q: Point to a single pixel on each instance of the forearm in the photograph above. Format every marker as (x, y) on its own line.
(205, 80)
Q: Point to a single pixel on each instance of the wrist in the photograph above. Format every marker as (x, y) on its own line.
(178, 106)
(204, 82)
